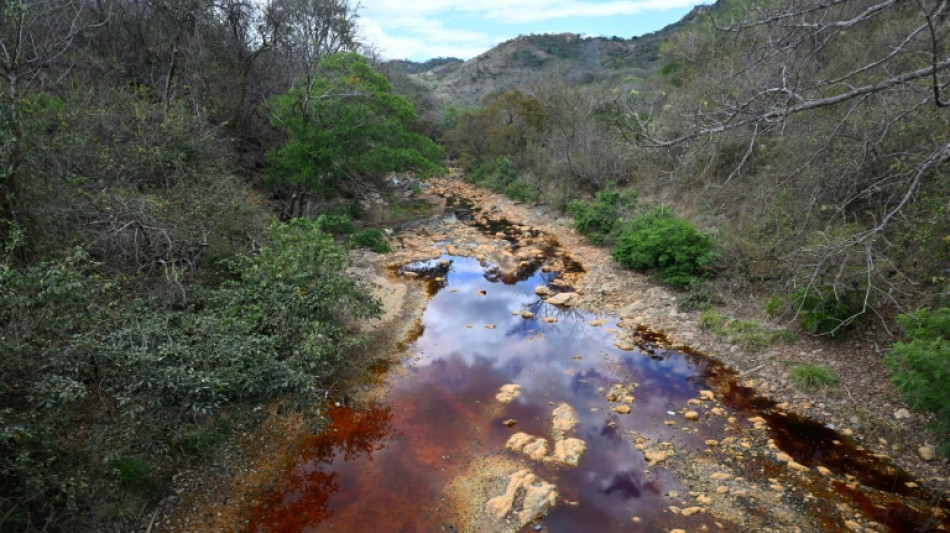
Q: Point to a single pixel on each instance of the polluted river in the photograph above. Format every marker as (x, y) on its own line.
(508, 407)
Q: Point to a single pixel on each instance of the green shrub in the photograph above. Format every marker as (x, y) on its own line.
(826, 311)
(132, 472)
(746, 333)
(338, 225)
(601, 218)
(657, 240)
(921, 365)
(373, 239)
(495, 174)
(149, 376)
(699, 296)
(521, 192)
(811, 377)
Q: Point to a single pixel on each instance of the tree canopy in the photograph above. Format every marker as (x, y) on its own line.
(346, 129)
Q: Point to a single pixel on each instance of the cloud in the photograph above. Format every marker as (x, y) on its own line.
(423, 39)
(466, 28)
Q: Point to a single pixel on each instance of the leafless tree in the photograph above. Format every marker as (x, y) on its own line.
(853, 77)
(35, 36)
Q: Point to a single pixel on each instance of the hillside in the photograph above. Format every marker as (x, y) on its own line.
(528, 59)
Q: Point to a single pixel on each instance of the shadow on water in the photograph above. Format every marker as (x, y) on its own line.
(385, 467)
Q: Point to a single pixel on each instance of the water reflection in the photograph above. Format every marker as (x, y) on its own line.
(385, 468)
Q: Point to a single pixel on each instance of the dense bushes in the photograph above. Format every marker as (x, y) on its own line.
(921, 365)
(601, 219)
(659, 241)
(146, 375)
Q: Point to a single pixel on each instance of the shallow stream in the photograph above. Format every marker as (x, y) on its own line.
(396, 465)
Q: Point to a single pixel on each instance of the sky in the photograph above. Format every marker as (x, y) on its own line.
(424, 29)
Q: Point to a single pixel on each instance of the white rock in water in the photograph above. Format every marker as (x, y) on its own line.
(542, 290)
(508, 392)
(564, 420)
(565, 298)
(527, 498)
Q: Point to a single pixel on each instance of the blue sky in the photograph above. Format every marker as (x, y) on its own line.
(423, 29)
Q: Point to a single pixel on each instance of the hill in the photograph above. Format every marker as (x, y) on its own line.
(526, 60)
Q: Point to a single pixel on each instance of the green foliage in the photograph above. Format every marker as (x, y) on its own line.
(373, 239)
(745, 333)
(348, 125)
(75, 339)
(601, 218)
(131, 471)
(699, 296)
(811, 377)
(826, 310)
(338, 225)
(659, 241)
(520, 191)
(495, 174)
(921, 365)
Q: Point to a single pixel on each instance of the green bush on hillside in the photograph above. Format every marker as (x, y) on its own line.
(339, 225)
(520, 191)
(601, 218)
(495, 174)
(659, 241)
(373, 239)
(150, 377)
(826, 311)
(921, 365)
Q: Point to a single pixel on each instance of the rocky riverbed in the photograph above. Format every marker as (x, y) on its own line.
(734, 448)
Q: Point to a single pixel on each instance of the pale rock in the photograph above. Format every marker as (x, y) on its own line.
(655, 457)
(542, 290)
(565, 299)
(690, 511)
(597, 323)
(508, 392)
(549, 320)
(927, 452)
(564, 420)
(824, 471)
(707, 395)
(621, 409)
(527, 315)
(797, 467)
(536, 449)
(691, 415)
(567, 452)
(901, 414)
(518, 441)
(527, 498)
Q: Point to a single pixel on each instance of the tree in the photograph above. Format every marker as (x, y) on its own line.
(345, 130)
(829, 117)
(35, 37)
